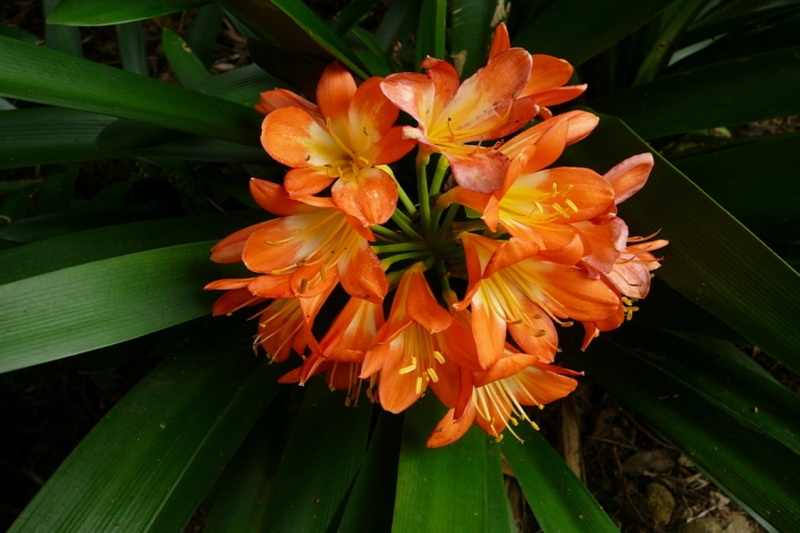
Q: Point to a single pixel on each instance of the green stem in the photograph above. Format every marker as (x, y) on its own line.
(404, 199)
(422, 190)
(388, 234)
(448, 221)
(405, 224)
(389, 261)
(400, 247)
(438, 176)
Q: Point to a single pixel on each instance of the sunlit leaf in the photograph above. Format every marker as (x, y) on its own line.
(558, 499)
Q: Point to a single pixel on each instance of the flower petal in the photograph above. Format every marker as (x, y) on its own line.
(481, 171)
(335, 91)
(293, 137)
(370, 196)
(630, 175)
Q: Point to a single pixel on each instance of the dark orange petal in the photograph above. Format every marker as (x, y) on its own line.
(422, 305)
(488, 330)
(301, 182)
(335, 90)
(450, 429)
(560, 95)
(509, 253)
(269, 101)
(370, 114)
(233, 301)
(228, 284)
(293, 137)
(362, 275)
(581, 124)
(500, 41)
(547, 72)
(229, 249)
(274, 198)
(392, 146)
(370, 196)
(271, 287)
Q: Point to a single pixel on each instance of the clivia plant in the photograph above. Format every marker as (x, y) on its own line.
(455, 206)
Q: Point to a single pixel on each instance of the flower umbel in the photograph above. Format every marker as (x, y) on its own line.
(458, 287)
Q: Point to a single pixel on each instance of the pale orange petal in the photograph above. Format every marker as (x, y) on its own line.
(630, 175)
(335, 91)
(481, 171)
(370, 196)
(293, 137)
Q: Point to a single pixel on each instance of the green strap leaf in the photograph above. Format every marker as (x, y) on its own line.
(749, 466)
(40, 75)
(130, 37)
(722, 373)
(734, 92)
(108, 242)
(101, 13)
(89, 306)
(472, 24)
(569, 28)
(370, 505)
(560, 502)
(431, 30)
(712, 259)
(726, 172)
(293, 27)
(40, 136)
(324, 450)
(147, 465)
(441, 489)
(191, 72)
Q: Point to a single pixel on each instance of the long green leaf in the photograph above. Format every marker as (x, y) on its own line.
(147, 465)
(441, 489)
(560, 502)
(749, 89)
(48, 135)
(101, 13)
(323, 453)
(570, 29)
(97, 304)
(191, 72)
(472, 31)
(717, 372)
(370, 505)
(431, 30)
(246, 484)
(712, 259)
(749, 466)
(130, 37)
(769, 165)
(104, 243)
(45, 76)
(294, 27)
(62, 38)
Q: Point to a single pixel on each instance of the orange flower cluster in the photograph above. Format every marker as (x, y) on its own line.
(548, 248)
